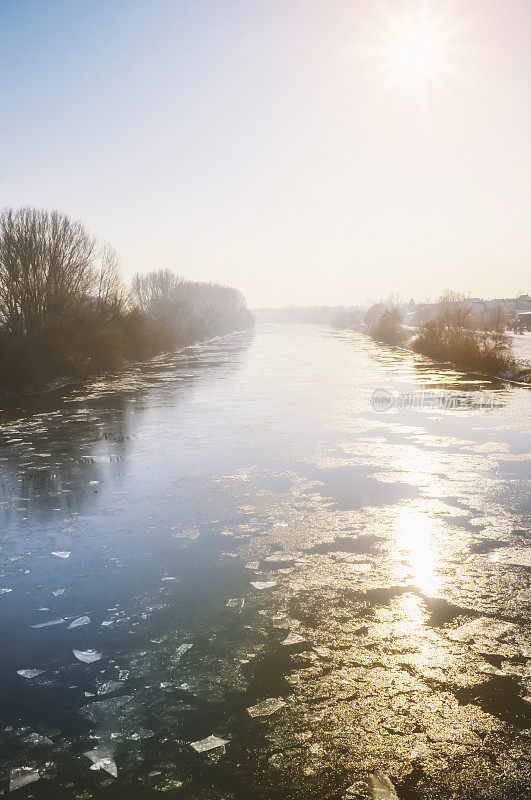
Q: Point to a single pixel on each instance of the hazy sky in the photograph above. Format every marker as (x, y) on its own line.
(306, 151)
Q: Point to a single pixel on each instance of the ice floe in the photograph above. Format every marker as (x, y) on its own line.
(266, 707)
(210, 743)
(76, 623)
(22, 776)
(30, 673)
(103, 758)
(87, 656)
(481, 628)
(263, 584)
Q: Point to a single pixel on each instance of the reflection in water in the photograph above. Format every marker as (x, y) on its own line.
(415, 536)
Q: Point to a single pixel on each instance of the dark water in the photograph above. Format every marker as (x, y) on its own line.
(393, 628)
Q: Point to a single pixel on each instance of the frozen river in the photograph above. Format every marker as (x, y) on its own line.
(236, 527)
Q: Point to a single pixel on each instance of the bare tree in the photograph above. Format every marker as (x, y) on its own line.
(111, 296)
(155, 292)
(46, 265)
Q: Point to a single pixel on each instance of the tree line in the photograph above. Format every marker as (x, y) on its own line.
(66, 312)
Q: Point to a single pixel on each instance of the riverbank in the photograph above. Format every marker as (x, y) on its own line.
(14, 406)
(517, 370)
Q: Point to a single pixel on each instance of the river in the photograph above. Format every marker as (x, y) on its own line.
(237, 523)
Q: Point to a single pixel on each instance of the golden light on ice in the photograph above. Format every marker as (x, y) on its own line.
(415, 533)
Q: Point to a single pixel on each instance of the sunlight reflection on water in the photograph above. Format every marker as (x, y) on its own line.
(415, 537)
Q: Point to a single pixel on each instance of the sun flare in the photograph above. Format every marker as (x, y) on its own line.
(416, 52)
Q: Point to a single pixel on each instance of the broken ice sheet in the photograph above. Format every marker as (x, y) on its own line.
(482, 628)
(263, 584)
(380, 787)
(169, 578)
(22, 776)
(61, 553)
(362, 567)
(108, 687)
(36, 739)
(513, 556)
(284, 560)
(181, 650)
(103, 758)
(30, 673)
(87, 656)
(293, 638)
(79, 621)
(58, 592)
(236, 602)
(266, 707)
(210, 743)
(49, 623)
(186, 533)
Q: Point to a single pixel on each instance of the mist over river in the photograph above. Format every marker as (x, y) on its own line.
(236, 527)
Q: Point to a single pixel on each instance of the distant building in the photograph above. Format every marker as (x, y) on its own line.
(523, 319)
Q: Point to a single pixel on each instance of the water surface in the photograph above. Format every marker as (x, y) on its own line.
(390, 553)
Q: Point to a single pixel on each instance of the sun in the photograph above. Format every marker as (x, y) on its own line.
(415, 52)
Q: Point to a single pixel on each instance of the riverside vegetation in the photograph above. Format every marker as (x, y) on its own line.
(450, 336)
(65, 311)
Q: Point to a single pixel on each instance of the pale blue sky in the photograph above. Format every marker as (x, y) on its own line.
(259, 143)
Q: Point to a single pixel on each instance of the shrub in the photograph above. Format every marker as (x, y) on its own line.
(388, 328)
(443, 339)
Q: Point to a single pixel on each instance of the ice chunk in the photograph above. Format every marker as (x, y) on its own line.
(293, 638)
(263, 584)
(266, 707)
(29, 673)
(488, 669)
(482, 628)
(87, 656)
(5, 591)
(169, 578)
(283, 560)
(79, 621)
(21, 776)
(108, 687)
(36, 739)
(210, 743)
(61, 553)
(50, 622)
(58, 592)
(236, 602)
(116, 708)
(181, 650)
(380, 787)
(361, 567)
(186, 533)
(103, 758)
(513, 556)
